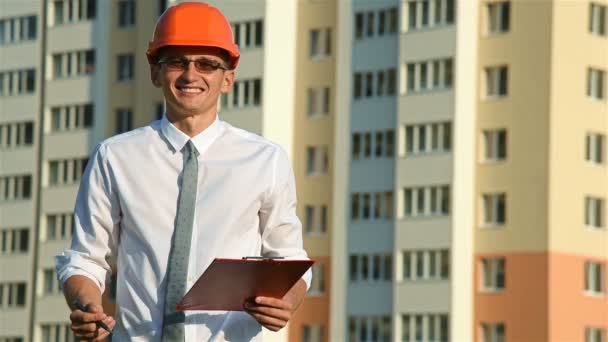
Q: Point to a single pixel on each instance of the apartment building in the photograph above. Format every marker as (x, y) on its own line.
(73, 72)
(495, 183)
(450, 156)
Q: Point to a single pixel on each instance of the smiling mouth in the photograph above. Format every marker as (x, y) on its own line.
(190, 90)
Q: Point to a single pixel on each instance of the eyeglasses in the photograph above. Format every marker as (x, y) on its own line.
(202, 65)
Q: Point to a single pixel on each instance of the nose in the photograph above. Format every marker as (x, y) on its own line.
(190, 72)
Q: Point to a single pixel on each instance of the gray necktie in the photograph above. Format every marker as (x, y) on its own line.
(177, 268)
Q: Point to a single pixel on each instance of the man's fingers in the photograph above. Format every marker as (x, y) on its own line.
(283, 315)
(274, 302)
(269, 321)
(78, 316)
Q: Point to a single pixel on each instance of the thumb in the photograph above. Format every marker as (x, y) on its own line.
(96, 309)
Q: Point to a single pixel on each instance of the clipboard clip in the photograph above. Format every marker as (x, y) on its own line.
(262, 258)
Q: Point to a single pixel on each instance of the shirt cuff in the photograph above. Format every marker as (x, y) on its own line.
(72, 263)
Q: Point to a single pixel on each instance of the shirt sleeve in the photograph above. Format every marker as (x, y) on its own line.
(96, 225)
(281, 228)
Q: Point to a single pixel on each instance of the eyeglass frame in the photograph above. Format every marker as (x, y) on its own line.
(185, 63)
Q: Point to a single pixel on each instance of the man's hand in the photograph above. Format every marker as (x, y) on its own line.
(84, 290)
(84, 323)
(273, 313)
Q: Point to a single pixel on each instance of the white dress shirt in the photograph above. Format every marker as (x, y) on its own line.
(126, 207)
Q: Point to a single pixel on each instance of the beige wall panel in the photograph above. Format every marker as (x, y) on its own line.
(573, 116)
(525, 113)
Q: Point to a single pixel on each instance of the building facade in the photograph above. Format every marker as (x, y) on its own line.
(450, 156)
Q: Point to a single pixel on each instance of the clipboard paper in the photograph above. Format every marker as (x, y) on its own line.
(228, 283)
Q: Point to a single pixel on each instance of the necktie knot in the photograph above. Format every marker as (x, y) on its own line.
(190, 149)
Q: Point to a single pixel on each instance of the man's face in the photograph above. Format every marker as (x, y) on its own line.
(188, 90)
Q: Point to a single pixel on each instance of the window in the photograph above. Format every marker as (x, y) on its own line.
(125, 67)
(595, 148)
(429, 75)
(496, 81)
(370, 267)
(594, 212)
(245, 93)
(317, 160)
(382, 143)
(14, 240)
(16, 134)
(426, 14)
(596, 84)
(66, 11)
(18, 29)
(317, 103)
(248, 34)
(317, 287)
(413, 327)
(495, 145)
(50, 283)
(493, 332)
(426, 265)
(15, 187)
(372, 84)
(315, 220)
(320, 43)
(427, 201)
(56, 332)
(66, 171)
(12, 295)
(126, 13)
(71, 117)
(11, 339)
(493, 273)
(369, 328)
(73, 63)
(361, 204)
(17, 82)
(494, 209)
(312, 333)
(595, 334)
(366, 26)
(426, 138)
(498, 16)
(124, 120)
(594, 278)
(59, 226)
(597, 19)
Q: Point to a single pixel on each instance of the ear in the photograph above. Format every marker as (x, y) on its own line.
(228, 81)
(155, 75)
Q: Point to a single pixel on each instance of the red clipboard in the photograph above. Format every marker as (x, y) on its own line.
(228, 283)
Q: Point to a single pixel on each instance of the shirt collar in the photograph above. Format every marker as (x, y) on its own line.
(201, 141)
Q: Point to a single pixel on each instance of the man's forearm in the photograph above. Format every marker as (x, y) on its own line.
(81, 288)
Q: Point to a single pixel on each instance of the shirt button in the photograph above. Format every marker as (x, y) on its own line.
(190, 279)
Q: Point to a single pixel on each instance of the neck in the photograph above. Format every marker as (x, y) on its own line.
(191, 124)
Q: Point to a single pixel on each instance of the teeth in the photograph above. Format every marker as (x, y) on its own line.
(191, 90)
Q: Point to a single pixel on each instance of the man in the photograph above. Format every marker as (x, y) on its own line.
(168, 198)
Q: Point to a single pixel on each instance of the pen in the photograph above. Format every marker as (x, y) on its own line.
(82, 308)
(263, 257)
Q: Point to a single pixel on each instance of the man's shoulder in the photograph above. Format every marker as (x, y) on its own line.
(242, 136)
(127, 140)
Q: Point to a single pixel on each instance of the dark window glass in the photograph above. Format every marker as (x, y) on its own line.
(29, 133)
(24, 241)
(31, 27)
(88, 115)
(91, 9)
(257, 91)
(27, 187)
(259, 33)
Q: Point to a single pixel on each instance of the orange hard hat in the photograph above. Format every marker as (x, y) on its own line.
(193, 24)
